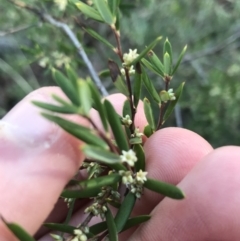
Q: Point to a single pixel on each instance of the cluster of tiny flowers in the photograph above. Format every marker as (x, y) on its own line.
(127, 60)
(93, 168)
(167, 95)
(137, 133)
(171, 94)
(127, 120)
(80, 235)
(62, 4)
(129, 157)
(96, 209)
(68, 201)
(134, 183)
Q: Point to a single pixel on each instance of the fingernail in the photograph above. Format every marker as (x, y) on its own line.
(25, 125)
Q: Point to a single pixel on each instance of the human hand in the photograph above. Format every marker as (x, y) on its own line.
(38, 158)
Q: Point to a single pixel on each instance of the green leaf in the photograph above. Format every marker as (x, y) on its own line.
(164, 188)
(137, 85)
(112, 229)
(117, 78)
(167, 64)
(150, 87)
(173, 103)
(19, 232)
(167, 48)
(98, 37)
(91, 187)
(89, 11)
(104, 11)
(148, 131)
(70, 109)
(135, 140)
(68, 88)
(72, 76)
(131, 222)
(127, 108)
(148, 113)
(113, 5)
(83, 133)
(140, 164)
(146, 50)
(85, 97)
(60, 227)
(104, 73)
(98, 105)
(124, 211)
(101, 155)
(151, 67)
(179, 60)
(116, 126)
(156, 63)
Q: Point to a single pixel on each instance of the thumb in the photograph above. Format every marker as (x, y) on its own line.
(37, 160)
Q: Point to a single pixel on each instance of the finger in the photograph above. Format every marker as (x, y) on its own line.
(211, 208)
(37, 160)
(170, 154)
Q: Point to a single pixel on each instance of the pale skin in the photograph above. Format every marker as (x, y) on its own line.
(38, 159)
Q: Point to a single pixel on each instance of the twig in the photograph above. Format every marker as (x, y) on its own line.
(66, 29)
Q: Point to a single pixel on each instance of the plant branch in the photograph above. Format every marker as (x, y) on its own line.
(70, 34)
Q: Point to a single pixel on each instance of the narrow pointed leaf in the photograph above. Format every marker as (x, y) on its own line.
(90, 188)
(150, 87)
(85, 97)
(135, 140)
(98, 37)
(164, 188)
(117, 77)
(81, 132)
(89, 11)
(148, 65)
(60, 227)
(140, 164)
(101, 155)
(19, 232)
(173, 103)
(148, 113)
(131, 222)
(167, 64)
(59, 109)
(72, 76)
(127, 109)
(104, 73)
(112, 229)
(156, 63)
(104, 11)
(146, 50)
(66, 86)
(137, 85)
(167, 48)
(179, 60)
(124, 211)
(148, 131)
(99, 105)
(116, 126)
(113, 5)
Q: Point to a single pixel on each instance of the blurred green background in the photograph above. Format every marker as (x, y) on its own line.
(210, 104)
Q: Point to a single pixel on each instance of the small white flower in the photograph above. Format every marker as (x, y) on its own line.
(137, 133)
(77, 232)
(129, 157)
(83, 237)
(128, 58)
(171, 94)
(141, 176)
(127, 120)
(56, 237)
(131, 71)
